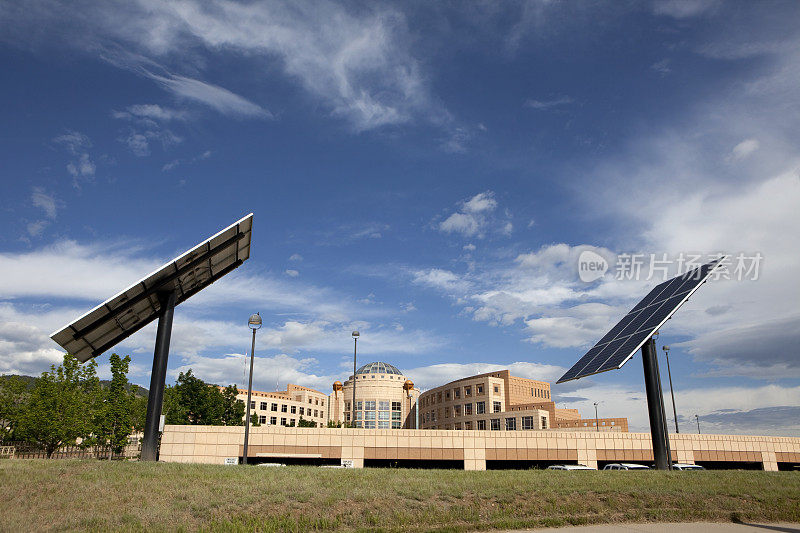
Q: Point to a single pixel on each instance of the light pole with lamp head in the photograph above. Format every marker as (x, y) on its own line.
(253, 323)
(669, 373)
(698, 423)
(596, 420)
(355, 335)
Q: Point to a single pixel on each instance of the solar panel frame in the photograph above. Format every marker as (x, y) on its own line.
(133, 308)
(640, 323)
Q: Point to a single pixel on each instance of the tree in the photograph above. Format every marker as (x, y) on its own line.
(12, 396)
(334, 424)
(113, 416)
(253, 420)
(55, 412)
(233, 413)
(303, 423)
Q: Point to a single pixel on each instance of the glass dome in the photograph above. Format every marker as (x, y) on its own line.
(379, 367)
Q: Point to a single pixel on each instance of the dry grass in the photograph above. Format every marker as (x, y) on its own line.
(94, 495)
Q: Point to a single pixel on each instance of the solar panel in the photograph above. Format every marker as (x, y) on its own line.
(132, 309)
(629, 334)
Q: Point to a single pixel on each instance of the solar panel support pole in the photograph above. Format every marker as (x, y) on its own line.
(655, 405)
(158, 376)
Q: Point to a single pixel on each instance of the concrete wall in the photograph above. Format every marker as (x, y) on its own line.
(213, 444)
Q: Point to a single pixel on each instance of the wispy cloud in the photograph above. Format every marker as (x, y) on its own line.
(81, 167)
(544, 105)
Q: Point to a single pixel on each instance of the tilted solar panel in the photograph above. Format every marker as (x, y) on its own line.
(624, 339)
(132, 309)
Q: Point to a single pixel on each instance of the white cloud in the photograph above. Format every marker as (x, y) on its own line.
(662, 67)
(744, 149)
(218, 98)
(441, 279)
(36, 228)
(295, 257)
(469, 247)
(81, 167)
(474, 217)
(151, 112)
(47, 202)
(681, 9)
(465, 224)
(544, 105)
(291, 273)
(480, 202)
(427, 377)
(138, 144)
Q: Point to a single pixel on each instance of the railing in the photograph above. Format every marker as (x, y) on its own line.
(7, 452)
(26, 450)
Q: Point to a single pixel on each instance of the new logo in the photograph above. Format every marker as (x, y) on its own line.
(591, 266)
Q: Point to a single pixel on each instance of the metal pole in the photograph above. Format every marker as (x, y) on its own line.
(663, 411)
(249, 396)
(596, 420)
(353, 405)
(698, 423)
(155, 398)
(654, 405)
(669, 373)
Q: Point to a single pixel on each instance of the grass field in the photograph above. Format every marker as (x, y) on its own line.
(96, 495)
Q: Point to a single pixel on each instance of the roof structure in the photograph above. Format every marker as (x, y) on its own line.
(378, 367)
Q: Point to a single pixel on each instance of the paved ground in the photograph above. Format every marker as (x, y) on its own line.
(694, 527)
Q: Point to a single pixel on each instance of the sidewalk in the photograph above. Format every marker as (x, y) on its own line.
(692, 527)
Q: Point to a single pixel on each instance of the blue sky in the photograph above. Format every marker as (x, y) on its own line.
(426, 173)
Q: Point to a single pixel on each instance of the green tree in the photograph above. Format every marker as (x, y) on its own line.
(113, 417)
(233, 413)
(12, 396)
(303, 423)
(253, 420)
(55, 412)
(334, 424)
(139, 412)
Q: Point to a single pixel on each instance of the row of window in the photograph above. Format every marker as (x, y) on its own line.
(286, 409)
(372, 405)
(454, 394)
(457, 410)
(375, 415)
(273, 420)
(528, 423)
(540, 393)
(371, 424)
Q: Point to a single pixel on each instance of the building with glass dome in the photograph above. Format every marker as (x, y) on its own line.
(385, 399)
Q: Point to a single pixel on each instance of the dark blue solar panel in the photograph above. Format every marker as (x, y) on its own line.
(628, 335)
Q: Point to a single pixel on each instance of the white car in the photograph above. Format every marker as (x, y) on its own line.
(683, 466)
(569, 467)
(625, 466)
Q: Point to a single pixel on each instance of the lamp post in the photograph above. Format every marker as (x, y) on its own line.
(596, 419)
(669, 373)
(697, 418)
(355, 335)
(254, 323)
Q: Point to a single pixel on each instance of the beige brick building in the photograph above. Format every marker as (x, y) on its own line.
(501, 402)
(385, 399)
(285, 408)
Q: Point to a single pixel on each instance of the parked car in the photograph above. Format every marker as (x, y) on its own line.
(625, 466)
(569, 467)
(683, 466)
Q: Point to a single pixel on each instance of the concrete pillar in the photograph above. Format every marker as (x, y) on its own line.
(769, 461)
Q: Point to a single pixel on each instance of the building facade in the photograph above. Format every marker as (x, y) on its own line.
(286, 408)
(501, 402)
(385, 399)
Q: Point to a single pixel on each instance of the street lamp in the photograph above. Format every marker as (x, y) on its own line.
(254, 323)
(669, 373)
(698, 423)
(596, 420)
(355, 335)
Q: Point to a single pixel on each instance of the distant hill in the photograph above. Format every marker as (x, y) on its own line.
(30, 381)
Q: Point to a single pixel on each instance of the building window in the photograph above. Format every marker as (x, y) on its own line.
(369, 405)
(467, 425)
(358, 405)
(294, 409)
(383, 424)
(395, 415)
(467, 391)
(439, 397)
(262, 419)
(302, 411)
(544, 422)
(291, 422)
(467, 409)
(347, 417)
(496, 407)
(457, 425)
(383, 415)
(496, 389)
(383, 406)
(511, 424)
(316, 413)
(479, 389)
(283, 421)
(273, 420)
(262, 406)
(369, 415)
(480, 408)
(456, 393)
(456, 410)
(495, 424)
(274, 407)
(358, 424)
(481, 425)
(252, 404)
(447, 395)
(395, 424)
(284, 408)
(396, 406)
(346, 407)
(369, 424)
(359, 415)
(527, 422)
(322, 403)
(316, 401)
